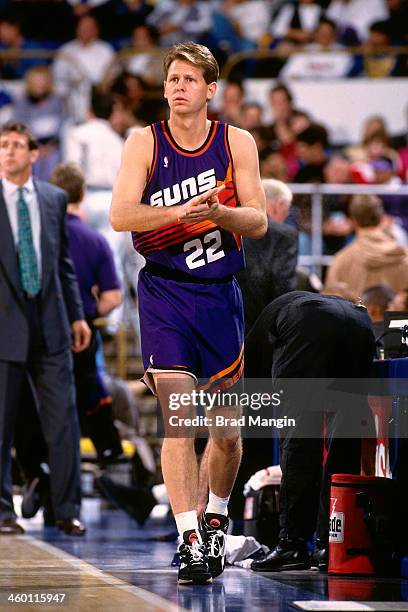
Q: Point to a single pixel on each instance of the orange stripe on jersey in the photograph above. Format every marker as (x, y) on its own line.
(178, 230)
(199, 151)
(179, 238)
(237, 364)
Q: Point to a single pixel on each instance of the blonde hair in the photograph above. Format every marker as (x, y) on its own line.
(195, 54)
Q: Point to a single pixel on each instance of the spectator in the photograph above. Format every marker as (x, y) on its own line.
(249, 18)
(100, 292)
(251, 116)
(12, 40)
(353, 19)
(94, 145)
(323, 58)
(281, 102)
(295, 23)
(299, 121)
(281, 135)
(379, 64)
(44, 113)
(337, 226)
(97, 149)
(148, 60)
(374, 126)
(80, 63)
(377, 300)
(373, 258)
(273, 165)
(85, 56)
(232, 99)
(312, 146)
(374, 161)
(271, 262)
(122, 119)
(180, 20)
(131, 90)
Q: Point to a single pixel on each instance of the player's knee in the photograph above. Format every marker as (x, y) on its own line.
(229, 445)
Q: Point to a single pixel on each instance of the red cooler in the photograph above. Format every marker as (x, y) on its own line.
(352, 546)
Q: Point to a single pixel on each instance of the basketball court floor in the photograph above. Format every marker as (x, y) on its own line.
(117, 567)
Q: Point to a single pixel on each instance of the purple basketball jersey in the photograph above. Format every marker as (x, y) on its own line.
(201, 249)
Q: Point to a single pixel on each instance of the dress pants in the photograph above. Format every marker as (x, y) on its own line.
(51, 378)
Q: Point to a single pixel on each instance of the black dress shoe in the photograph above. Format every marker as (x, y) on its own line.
(136, 502)
(320, 558)
(31, 501)
(287, 555)
(36, 493)
(71, 526)
(10, 527)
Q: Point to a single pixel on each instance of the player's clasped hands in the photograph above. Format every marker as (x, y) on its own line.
(201, 207)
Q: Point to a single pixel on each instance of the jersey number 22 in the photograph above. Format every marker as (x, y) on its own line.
(205, 251)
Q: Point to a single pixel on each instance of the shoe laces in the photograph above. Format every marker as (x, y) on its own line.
(195, 551)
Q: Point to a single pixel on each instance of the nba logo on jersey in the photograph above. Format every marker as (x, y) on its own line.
(165, 162)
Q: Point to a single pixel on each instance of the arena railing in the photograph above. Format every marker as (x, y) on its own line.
(317, 192)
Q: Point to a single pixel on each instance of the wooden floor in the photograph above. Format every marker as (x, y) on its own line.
(120, 567)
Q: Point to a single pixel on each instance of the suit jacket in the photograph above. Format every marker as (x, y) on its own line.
(270, 269)
(60, 302)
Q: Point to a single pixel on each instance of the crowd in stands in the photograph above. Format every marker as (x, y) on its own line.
(101, 78)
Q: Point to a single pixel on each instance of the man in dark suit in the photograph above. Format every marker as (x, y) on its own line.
(270, 262)
(40, 316)
(318, 338)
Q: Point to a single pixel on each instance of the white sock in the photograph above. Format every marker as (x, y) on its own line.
(186, 521)
(217, 505)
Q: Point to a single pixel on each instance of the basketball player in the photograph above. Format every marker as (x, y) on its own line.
(188, 189)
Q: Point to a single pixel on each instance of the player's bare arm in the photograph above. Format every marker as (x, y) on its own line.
(127, 212)
(250, 219)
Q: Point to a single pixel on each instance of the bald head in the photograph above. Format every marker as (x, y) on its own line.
(278, 199)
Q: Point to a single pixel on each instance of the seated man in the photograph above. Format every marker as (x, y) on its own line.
(303, 335)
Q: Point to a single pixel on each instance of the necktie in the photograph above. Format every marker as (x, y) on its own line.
(30, 278)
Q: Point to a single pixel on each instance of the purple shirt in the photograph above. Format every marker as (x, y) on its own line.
(93, 262)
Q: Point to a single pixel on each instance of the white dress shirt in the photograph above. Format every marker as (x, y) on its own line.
(10, 193)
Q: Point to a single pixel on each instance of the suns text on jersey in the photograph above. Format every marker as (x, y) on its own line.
(188, 188)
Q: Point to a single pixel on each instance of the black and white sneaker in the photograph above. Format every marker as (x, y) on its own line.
(193, 567)
(215, 527)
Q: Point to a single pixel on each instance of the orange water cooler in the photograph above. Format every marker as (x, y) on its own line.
(358, 506)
